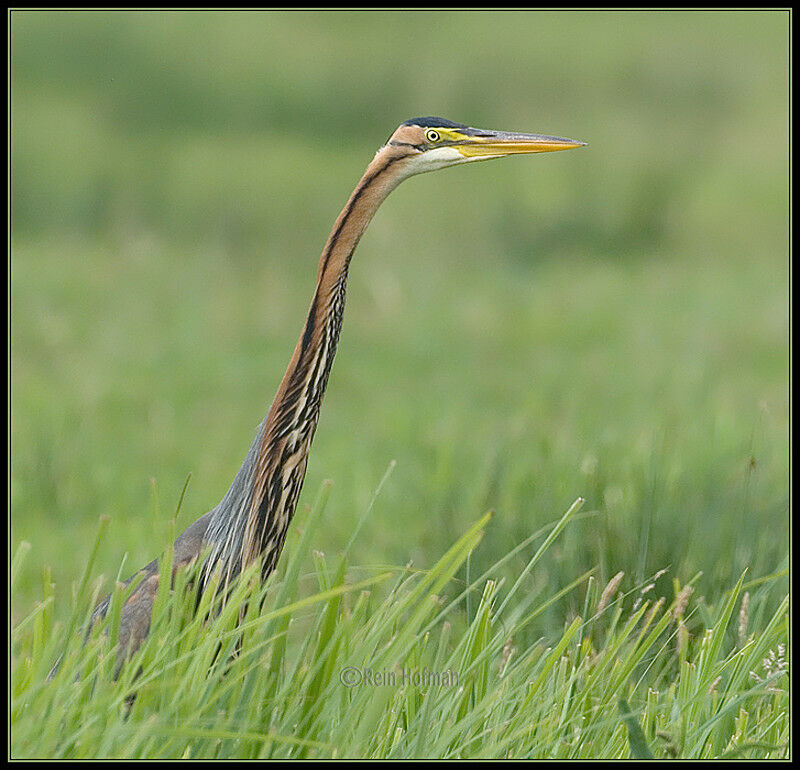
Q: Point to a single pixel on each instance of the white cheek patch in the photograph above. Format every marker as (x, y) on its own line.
(440, 157)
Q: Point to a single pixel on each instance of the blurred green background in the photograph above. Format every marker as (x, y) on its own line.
(610, 322)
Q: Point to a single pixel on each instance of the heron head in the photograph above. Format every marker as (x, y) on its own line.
(434, 143)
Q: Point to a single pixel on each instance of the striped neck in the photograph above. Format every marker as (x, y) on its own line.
(272, 476)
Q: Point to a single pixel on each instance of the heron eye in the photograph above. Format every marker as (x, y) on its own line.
(432, 136)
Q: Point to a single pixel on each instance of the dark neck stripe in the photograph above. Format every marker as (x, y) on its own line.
(395, 143)
(309, 330)
(351, 205)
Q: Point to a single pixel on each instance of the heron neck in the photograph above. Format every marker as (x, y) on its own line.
(292, 419)
(317, 343)
(381, 177)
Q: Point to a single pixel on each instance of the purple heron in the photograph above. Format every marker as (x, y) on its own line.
(252, 518)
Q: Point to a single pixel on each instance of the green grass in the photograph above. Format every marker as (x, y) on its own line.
(609, 323)
(390, 666)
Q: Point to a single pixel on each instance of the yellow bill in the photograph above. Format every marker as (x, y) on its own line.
(498, 143)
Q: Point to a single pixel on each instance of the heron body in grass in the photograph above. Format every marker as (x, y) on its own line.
(251, 520)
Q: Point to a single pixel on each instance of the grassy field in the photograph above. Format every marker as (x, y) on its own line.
(609, 323)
